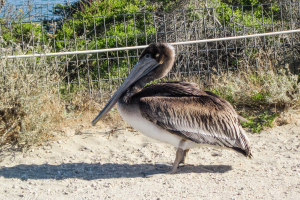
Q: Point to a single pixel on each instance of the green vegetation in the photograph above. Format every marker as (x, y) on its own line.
(263, 90)
(20, 33)
(245, 2)
(260, 121)
(82, 9)
(251, 15)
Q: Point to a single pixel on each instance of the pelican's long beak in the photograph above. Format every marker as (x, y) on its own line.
(142, 67)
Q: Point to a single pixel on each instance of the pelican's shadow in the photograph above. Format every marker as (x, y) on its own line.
(96, 171)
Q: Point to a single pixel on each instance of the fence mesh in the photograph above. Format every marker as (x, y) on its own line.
(99, 74)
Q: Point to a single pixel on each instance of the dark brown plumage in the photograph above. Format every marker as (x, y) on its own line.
(166, 104)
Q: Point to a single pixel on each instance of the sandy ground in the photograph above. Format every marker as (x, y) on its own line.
(90, 164)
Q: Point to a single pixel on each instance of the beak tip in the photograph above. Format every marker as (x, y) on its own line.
(94, 122)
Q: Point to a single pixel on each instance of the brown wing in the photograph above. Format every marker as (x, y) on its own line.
(182, 89)
(201, 118)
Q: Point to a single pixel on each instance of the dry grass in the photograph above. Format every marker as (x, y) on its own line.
(29, 104)
(83, 109)
(261, 87)
(30, 109)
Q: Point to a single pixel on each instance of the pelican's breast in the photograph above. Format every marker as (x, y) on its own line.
(132, 115)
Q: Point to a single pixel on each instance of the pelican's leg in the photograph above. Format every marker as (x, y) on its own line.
(178, 159)
(185, 152)
(183, 161)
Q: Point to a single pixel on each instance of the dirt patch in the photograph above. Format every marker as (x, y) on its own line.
(90, 164)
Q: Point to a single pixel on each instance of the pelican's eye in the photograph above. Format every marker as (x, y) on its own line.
(147, 55)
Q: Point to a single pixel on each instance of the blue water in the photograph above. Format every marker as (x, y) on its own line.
(39, 9)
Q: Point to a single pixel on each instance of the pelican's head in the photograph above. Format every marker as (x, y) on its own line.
(154, 63)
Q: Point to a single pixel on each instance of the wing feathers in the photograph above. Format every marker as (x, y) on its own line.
(200, 118)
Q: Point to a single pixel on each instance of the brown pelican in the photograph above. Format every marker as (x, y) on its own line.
(177, 113)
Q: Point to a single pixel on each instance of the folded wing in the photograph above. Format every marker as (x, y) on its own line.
(202, 118)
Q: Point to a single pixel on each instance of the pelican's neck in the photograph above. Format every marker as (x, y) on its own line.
(132, 90)
(136, 88)
(167, 62)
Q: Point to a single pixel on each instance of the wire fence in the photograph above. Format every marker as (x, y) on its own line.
(99, 74)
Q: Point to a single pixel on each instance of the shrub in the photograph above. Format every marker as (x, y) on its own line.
(29, 103)
(263, 92)
(261, 87)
